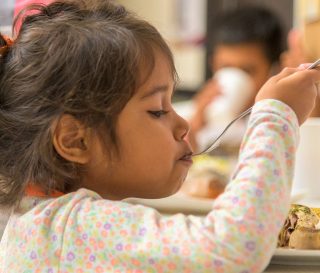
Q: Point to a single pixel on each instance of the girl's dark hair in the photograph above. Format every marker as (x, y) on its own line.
(85, 58)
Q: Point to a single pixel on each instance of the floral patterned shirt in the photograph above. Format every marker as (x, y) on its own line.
(81, 232)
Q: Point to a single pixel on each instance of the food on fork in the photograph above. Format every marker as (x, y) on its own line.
(301, 229)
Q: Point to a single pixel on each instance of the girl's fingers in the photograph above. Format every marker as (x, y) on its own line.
(317, 87)
(312, 74)
(285, 73)
(304, 66)
(289, 71)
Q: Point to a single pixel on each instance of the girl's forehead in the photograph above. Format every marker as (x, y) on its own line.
(158, 73)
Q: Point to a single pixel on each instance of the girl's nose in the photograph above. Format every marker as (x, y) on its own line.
(181, 128)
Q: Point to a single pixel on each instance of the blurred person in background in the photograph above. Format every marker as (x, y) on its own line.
(249, 39)
(303, 47)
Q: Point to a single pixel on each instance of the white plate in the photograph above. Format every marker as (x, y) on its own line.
(302, 197)
(180, 202)
(177, 203)
(296, 257)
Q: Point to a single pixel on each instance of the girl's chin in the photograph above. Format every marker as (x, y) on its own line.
(166, 193)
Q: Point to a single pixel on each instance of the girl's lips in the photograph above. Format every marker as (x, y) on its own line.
(187, 158)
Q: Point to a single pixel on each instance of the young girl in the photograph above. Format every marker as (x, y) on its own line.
(86, 120)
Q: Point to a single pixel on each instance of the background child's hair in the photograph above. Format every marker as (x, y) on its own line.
(250, 24)
(85, 58)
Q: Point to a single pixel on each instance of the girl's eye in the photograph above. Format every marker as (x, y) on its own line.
(158, 114)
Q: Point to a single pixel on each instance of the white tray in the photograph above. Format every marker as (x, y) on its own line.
(296, 257)
(177, 203)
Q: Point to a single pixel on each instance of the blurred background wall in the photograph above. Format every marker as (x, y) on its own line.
(184, 24)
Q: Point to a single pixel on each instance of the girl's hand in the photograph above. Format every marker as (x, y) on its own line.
(297, 87)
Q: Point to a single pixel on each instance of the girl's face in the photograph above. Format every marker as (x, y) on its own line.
(154, 155)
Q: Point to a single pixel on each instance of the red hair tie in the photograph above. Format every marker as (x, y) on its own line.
(4, 49)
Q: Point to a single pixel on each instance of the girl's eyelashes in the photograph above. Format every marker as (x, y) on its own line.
(158, 114)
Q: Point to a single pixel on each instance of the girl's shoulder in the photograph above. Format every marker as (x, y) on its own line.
(81, 205)
(81, 200)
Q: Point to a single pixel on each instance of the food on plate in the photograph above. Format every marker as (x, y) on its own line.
(301, 229)
(207, 177)
(208, 184)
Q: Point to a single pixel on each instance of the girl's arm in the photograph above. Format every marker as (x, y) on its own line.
(81, 232)
(240, 233)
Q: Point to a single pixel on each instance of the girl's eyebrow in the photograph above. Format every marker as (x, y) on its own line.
(155, 90)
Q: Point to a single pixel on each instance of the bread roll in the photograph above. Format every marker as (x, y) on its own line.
(301, 229)
(305, 238)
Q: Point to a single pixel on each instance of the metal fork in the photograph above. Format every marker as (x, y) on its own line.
(217, 140)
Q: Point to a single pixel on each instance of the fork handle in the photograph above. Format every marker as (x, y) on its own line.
(215, 143)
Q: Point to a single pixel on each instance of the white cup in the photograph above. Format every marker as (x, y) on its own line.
(306, 182)
(236, 89)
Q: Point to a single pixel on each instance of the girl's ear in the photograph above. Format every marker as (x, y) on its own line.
(71, 139)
